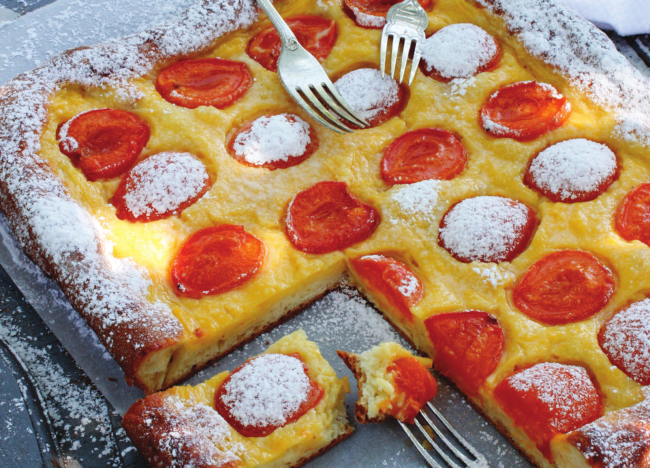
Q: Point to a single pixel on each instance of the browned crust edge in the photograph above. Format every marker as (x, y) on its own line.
(338, 440)
(149, 423)
(129, 342)
(618, 439)
(125, 322)
(150, 419)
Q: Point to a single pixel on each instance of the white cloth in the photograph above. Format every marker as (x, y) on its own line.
(626, 17)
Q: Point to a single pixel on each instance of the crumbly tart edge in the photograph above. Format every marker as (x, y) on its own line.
(351, 360)
(37, 205)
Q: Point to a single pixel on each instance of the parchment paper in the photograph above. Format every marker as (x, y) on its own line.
(335, 322)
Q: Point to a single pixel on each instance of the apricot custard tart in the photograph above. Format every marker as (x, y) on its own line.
(495, 212)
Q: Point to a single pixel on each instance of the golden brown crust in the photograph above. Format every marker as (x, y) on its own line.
(129, 341)
(168, 440)
(351, 360)
(620, 439)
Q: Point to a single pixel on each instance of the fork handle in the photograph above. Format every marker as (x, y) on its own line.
(287, 36)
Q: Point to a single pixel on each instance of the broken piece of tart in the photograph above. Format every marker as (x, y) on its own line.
(279, 409)
(391, 381)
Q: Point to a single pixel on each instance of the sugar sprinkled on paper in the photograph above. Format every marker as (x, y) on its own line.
(572, 167)
(267, 390)
(272, 139)
(367, 92)
(483, 227)
(163, 182)
(458, 51)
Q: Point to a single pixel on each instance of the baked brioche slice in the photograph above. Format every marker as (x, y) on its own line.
(279, 409)
(391, 382)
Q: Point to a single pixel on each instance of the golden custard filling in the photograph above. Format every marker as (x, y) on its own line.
(258, 199)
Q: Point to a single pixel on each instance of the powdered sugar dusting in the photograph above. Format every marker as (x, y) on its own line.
(163, 182)
(272, 139)
(626, 339)
(496, 129)
(493, 275)
(367, 92)
(583, 54)
(366, 20)
(69, 143)
(267, 390)
(619, 439)
(459, 86)
(484, 227)
(458, 51)
(192, 431)
(59, 234)
(562, 388)
(409, 285)
(499, 130)
(572, 167)
(417, 200)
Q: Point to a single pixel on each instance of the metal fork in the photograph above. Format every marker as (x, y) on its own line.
(479, 460)
(407, 20)
(305, 80)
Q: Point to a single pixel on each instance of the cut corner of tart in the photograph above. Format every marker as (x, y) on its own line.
(391, 382)
(281, 408)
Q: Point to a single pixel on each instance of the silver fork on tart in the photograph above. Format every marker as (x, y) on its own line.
(307, 83)
(405, 21)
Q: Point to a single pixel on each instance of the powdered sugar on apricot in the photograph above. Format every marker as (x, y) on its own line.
(163, 182)
(571, 167)
(564, 397)
(458, 51)
(482, 227)
(267, 390)
(272, 139)
(626, 339)
(367, 92)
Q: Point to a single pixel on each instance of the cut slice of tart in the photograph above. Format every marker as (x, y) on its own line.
(391, 381)
(279, 409)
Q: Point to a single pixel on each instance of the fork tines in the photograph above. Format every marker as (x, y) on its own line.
(456, 454)
(328, 107)
(410, 46)
(405, 22)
